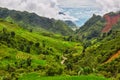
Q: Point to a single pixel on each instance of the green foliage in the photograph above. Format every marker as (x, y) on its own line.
(92, 28)
(26, 53)
(32, 21)
(22, 52)
(13, 34)
(99, 50)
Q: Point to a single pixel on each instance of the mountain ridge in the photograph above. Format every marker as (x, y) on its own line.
(25, 53)
(32, 20)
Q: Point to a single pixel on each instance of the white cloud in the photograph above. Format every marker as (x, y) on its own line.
(46, 8)
(38, 6)
(77, 3)
(83, 13)
(104, 5)
(108, 5)
(49, 8)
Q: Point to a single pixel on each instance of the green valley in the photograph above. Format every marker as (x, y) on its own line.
(22, 51)
(39, 48)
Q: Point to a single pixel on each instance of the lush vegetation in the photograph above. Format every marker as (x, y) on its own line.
(100, 47)
(92, 28)
(28, 54)
(23, 51)
(31, 20)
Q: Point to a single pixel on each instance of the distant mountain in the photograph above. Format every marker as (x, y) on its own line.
(25, 54)
(82, 14)
(101, 41)
(98, 25)
(71, 24)
(32, 20)
(92, 28)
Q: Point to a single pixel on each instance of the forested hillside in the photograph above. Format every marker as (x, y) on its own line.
(38, 48)
(31, 20)
(23, 51)
(101, 39)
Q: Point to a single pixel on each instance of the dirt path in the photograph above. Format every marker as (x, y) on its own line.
(113, 57)
(64, 59)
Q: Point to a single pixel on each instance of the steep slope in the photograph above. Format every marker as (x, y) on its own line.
(23, 52)
(101, 39)
(110, 21)
(32, 20)
(92, 28)
(71, 24)
(98, 26)
(28, 54)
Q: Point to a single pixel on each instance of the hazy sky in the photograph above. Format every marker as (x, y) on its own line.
(49, 8)
(105, 5)
(76, 3)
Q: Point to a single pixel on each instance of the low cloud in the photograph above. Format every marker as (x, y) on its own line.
(108, 5)
(49, 8)
(46, 8)
(104, 5)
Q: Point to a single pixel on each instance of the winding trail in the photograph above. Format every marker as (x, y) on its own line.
(64, 59)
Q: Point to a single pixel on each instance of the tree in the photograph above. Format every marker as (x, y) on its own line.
(22, 47)
(54, 69)
(4, 30)
(69, 38)
(31, 30)
(69, 66)
(29, 61)
(31, 43)
(43, 43)
(28, 49)
(12, 34)
(37, 44)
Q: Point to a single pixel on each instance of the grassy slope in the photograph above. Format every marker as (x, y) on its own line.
(31, 20)
(15, 55)
(56, 43)
(104, 50)
(9, 55)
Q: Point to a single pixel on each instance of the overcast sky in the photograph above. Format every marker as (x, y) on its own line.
(76, 3)
(49, 8)
(105, 5)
